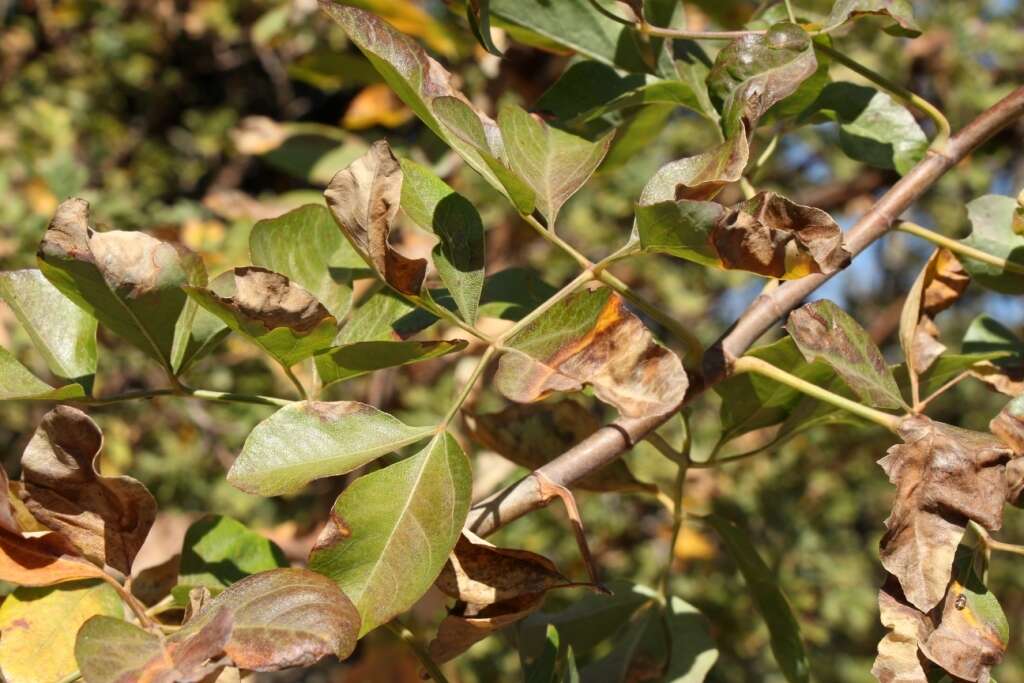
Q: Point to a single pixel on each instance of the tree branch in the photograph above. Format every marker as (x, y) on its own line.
(607, 443)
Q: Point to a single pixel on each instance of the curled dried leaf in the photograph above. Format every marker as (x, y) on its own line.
(944, 476)
(483, 574)
(898, 658)
(533, 434)
(106, 518)
(1008, 425)
(42, 560)
(364, 200)
(941, 283)
(591, 338)
(770, 235)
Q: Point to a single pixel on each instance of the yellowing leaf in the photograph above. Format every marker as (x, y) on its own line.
(38, 627)
(376, 105)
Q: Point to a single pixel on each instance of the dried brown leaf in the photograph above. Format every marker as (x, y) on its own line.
(944, 476)
(533, 434)
(592, 338)
(1015, 482)
(364, 200)
(106, 518)
(770, 235)
(965, 644)
(482, 574)
(941, 283)
(8, 520)
(1008, 425)
(898, 659)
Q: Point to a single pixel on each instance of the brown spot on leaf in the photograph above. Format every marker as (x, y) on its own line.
(272, 300)
(334, 532)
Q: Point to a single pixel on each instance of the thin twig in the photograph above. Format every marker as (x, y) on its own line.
(467, 388)
(406, 636)
(960, 248)
(919, 406)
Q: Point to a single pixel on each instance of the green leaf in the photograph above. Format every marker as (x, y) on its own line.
(340, 363)
(305, 246)
(391, 531)
(693, 653)
(512, 293)
(310, 440)
(992, 231)
(384, 316)
(901, 12)
(767, 235)
(985, 334)
(753, 73)
(478, 14)
(39, 626)
(576, 25)
(459, 257)
(544, 667)
(590, 90)
(751, 401)
(129, 281)
(823, 331)
(787, 645)
(281, 317)
(218, 551)
(591, 338)
(555, 164)
(416, 78)
(873, 127)
(18, 383)
(480, 133)
(63, 333)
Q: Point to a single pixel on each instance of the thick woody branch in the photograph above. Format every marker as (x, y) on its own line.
(609, 442)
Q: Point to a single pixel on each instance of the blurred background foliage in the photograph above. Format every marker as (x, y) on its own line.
(193, 120)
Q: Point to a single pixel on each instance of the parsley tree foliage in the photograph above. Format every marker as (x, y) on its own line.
(332, 293)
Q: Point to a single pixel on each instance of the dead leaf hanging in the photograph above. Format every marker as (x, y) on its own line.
(898, 657)
(941, 283)
(364, 200)
(944, 476)
(770, 235)
(106, 518)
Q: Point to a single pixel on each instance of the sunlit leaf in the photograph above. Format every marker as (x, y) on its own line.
(41, 560)
(218, 551)
(823, 331)
(391, 531)
(39, 626)
(62, 332)
(873, 127)
(945, 476)
(340, 363)
(992, 231)
(766, 234)
(281, 317)
(901, 12)
(459, 257)
(129, 281)
(305, 246)
(312, 439)
(787, 645)
(106, 518)
(17, 382)
(533, 434)
(384, 316)
(555, 164)
(590, 338)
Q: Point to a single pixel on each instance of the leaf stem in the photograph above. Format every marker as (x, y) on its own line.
(756, 365)
(678, 509)
(789, 11)
(296, 383)
(228, 397)
(959, 247)
(406, 636)
(468, 387)
(922, 404)
(566, 291)
(137, 608)
(554, 239)
(700, 35)
(941, 140)
(71, 677)
(993, 544)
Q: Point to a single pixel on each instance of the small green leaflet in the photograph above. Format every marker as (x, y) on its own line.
(340, 363)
